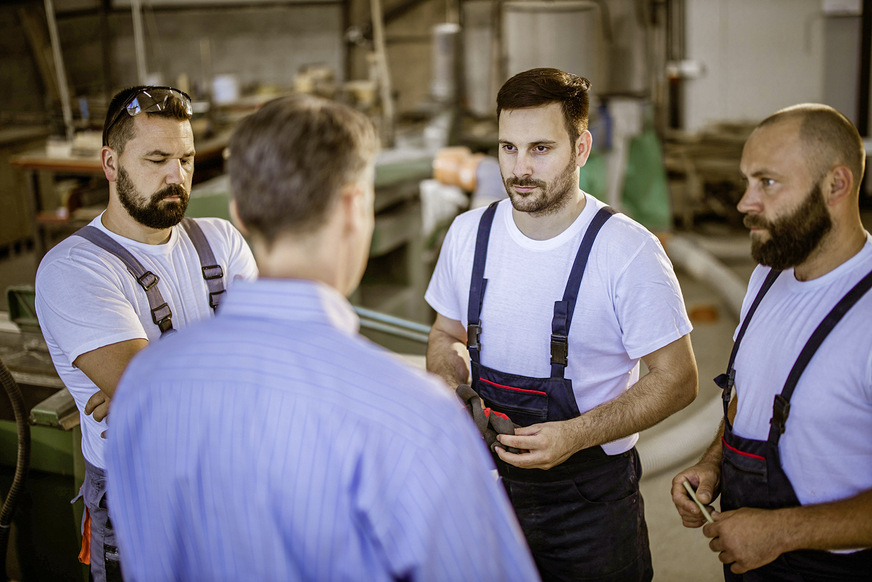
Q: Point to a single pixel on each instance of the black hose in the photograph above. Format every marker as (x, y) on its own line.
(23, 462)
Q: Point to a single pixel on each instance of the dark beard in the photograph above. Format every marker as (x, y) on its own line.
(155, 213)
(553, 199)
(792, 238)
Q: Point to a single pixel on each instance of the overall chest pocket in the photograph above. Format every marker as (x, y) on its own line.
(744, 478)
(523, 399)
(523, 406)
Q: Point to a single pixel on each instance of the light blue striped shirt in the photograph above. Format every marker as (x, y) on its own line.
(275, 443)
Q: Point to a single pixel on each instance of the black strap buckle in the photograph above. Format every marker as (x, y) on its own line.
(148, 280)
(559, 349)
(780, 412)
(215, 299)
(212, 272)
(162, 316)
(726, 381)
(473, 331)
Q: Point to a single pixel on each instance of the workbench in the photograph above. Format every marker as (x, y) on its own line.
(15, 219)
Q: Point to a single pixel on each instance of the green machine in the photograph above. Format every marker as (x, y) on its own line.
(44, 538)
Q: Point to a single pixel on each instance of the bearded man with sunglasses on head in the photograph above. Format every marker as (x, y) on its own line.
(135, 273)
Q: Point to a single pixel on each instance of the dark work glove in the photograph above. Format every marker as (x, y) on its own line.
(489, 422)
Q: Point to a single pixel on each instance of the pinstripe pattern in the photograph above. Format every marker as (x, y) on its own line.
(274, 443)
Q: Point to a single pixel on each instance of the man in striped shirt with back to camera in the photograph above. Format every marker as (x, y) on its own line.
(274, 442)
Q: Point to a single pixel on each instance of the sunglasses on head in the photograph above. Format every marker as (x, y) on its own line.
(149, 100)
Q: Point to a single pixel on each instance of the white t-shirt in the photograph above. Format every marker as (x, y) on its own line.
(87, 299)
(629, 303)
(826, 449)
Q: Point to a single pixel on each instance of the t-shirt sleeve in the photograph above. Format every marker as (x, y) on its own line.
(444, 288)
(242, 265)
(649, 303)
(70, 292)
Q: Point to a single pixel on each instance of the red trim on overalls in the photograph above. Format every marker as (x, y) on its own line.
(735, 450)
(513, 388)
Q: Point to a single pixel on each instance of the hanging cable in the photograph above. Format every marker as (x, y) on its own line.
(22, 463)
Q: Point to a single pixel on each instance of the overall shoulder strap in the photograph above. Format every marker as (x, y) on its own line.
(726, 380)
(781, 406)
(564, 309)
(160, 311)
(213, 273)
(478, 283)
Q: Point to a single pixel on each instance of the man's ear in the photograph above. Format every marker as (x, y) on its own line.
(109, 161)
(234, 217)
(582, 148)
(839, 186)
(351, 200)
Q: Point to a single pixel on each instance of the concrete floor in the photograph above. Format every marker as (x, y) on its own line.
(679, 554)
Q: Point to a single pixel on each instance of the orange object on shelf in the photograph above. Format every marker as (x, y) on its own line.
(456, 166)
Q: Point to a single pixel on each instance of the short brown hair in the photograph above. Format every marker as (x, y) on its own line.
(538, 87)
(828, 137)
(290, 159)
(121, 131)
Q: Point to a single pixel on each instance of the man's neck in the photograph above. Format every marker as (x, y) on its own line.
(311, 257)
(547, 226)
(117, 220)
(839, 246)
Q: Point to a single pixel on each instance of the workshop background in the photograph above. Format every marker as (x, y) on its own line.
(677, 86)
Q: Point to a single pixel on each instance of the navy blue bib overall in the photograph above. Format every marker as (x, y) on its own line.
(751, 471)
(584, 518)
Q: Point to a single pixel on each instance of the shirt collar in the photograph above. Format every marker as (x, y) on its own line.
(291, 300)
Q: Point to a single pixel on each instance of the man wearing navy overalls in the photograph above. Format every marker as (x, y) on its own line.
(546, 302)
(793, 459)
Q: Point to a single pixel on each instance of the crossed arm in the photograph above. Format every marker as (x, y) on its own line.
(670, 385)
(104, 366)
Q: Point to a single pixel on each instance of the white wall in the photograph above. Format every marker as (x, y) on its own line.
(759, 56)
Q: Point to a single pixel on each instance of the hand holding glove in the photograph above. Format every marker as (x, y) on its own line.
(489, 422)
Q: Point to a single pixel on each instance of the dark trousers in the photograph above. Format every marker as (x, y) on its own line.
(585, 521)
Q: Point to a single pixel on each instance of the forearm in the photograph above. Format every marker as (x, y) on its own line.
(840, 525)
(447, 358)
(670, 384)
(646, 403)
(105, 365)
(715, 452)
(650, 400)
